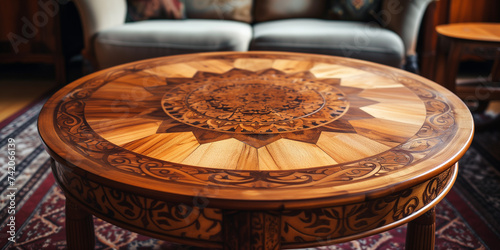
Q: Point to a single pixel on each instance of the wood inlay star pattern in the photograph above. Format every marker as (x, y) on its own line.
(244, 102)
(368, 123)
(123, 152)
(257, 107)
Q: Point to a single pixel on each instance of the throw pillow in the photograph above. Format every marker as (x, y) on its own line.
(354, 10)
(237, 10)
(268, 10)
(139, 10)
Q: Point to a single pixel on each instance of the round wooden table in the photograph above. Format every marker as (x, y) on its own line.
(261, 150)
(459, 39)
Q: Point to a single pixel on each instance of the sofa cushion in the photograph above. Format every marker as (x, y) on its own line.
(354, 10)
(237, 10)
(138, 10)
(153, 38)
(267, 10)
(341, 38)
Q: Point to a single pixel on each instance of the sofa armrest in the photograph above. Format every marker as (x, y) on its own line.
(98, 15)
(404, 17)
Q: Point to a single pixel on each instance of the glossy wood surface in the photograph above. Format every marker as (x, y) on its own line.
(465, 39)
(259, 150)
(487, 32)
(348, 130)
(448, 12)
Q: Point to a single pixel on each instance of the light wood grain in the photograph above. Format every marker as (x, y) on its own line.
(392, 95)
(369, 80)
(174, 147)
(390, 133)
(173, 70)
(122, 131)
(254, 64)
(292, 66)
(122, 90)
(488, 32)
(325, 70)
(278, 155)
(212, 66)
(142, 79)
(344, 147)
(226, 154)
(404, 112)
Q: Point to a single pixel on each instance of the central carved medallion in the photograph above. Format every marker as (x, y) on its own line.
(255, 104)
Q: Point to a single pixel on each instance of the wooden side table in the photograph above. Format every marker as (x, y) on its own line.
(31, 35)
(458, 39)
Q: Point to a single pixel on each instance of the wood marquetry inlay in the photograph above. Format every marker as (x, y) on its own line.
(251, 117)
(243, 102)
(256, 150)
(260, 120)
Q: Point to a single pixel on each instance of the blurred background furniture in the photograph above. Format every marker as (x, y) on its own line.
(447, 12)
(46, 32)
(459, 39)
(471, 67)
(383, 31)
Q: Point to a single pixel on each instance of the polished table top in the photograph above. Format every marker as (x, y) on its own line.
(231, 148)
(486, 32)
(266, 130)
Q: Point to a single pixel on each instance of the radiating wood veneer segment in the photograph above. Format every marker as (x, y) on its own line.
(390, 133)
(400, 112)
(325, 70)
(277, 156)
(393, 95)
(253, 64)
(122, 131)
(349, 147)
(292, 66)
(174, 147)
(173, 70)
(212, 66)
(225, 154)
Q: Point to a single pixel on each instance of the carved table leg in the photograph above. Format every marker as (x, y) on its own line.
(79, 227)
(421, 231)
(251, 230)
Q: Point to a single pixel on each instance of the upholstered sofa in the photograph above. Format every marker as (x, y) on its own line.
(386, 33)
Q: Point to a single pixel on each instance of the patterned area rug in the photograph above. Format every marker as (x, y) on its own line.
(32, 205)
